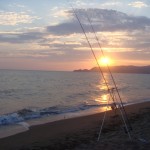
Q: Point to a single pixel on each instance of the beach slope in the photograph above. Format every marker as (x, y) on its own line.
(82, 132)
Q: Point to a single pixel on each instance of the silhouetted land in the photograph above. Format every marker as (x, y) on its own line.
(120, 69)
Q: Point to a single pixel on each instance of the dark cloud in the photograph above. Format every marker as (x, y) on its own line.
(102, 20)
(20, 37)
(138, 40)
(65, 28)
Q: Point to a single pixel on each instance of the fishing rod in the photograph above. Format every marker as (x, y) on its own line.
(109, 70)
(114, 82)
(99, 66)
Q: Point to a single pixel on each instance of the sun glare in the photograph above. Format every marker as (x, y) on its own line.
(104, 61)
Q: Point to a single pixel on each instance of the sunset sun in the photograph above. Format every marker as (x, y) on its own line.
(104, 61)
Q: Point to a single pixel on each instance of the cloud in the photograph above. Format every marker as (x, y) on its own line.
(138, 40)
(27, 50)
(65, 28)
(138, 4)
(20, 37)
(79, 3)
(122, 32)
(15, 18)
(117, 31)
(103, 20)
(17, 5)
(110, 4)
(59, 12)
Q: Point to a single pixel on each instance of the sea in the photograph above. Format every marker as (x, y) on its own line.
(29, 98)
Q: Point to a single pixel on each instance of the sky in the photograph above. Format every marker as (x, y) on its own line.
(46, 35)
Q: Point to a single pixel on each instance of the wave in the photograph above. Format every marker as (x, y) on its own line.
(33, 113)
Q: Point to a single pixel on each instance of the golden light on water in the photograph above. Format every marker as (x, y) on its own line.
(106, 108)
(103, 99)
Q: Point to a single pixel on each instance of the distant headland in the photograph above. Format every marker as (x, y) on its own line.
(120, 69)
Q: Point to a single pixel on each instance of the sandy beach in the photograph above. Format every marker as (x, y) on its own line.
(81, 133)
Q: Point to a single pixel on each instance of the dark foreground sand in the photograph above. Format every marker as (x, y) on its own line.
(81, 133)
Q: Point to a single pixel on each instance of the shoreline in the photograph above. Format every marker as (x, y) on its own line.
(11, 130)
(45, 134)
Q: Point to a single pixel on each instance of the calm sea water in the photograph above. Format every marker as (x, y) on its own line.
(30, 95)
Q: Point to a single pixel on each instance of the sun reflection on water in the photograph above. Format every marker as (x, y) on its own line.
(105, 108)
(104, 99)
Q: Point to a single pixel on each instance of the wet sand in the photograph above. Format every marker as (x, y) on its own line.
(81, 133)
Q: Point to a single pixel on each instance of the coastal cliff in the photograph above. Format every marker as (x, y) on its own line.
(120, 69)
